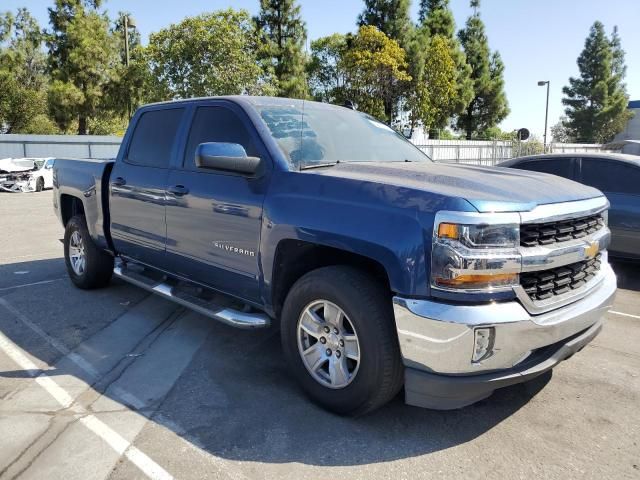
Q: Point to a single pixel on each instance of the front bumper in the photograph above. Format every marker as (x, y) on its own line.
(437, 341)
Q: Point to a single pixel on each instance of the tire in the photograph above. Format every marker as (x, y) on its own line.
(39, 184)
(367, 308)
(98, 265)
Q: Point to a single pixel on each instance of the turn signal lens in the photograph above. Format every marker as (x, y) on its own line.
(479, 281)
(448, 230)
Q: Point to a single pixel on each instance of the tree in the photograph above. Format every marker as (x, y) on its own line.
(210, 54)
(435, 91)
(488, 106)
(82, 56)
(597, 100)
(327, 77)
(436, 18)
(22, 75)
(282, 36)
(390, 17)
(560, 133)
(376, 72)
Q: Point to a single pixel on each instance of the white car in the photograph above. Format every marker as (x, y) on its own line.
(26, 174)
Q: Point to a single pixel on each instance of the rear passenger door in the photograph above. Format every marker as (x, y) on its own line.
(620, 182)
(213, 223)
(137, 184)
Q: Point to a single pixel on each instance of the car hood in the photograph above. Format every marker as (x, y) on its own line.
(488, 189)
(10, 165)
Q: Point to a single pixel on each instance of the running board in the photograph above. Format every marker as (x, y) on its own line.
(162, 287)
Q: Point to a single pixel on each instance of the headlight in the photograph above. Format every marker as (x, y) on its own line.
(472, 255)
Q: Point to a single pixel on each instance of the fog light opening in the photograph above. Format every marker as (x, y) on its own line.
(483, 344)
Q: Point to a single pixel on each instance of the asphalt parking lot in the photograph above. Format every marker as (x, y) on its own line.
(118, 384)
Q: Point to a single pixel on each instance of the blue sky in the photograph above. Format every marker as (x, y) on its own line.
(538, 39)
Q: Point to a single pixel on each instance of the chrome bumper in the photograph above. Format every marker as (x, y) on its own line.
(439, 337)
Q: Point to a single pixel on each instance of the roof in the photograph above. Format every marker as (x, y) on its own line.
(634, 104)
(621, 157)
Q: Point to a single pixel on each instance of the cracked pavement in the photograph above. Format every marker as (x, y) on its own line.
(117, 384)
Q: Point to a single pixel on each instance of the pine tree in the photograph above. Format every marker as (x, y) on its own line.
(597, 101)
(82, 56)
(489, 106)
(283, 34)
(391, 17)
(436, 18)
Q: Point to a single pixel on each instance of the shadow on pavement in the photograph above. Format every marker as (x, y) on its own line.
(236, 400)
(628, 273)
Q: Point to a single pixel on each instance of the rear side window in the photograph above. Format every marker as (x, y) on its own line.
(153, 137)
(562, 167)
(611, 176)
(217, 124)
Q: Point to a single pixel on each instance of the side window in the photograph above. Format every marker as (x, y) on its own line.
(153, 137)
(49, 164)
(562, 167)
(611, 176)
(216, 124)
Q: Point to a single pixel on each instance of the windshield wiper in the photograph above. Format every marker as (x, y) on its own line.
(319, 165)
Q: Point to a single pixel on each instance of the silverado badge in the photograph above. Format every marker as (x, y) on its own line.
(591, 250)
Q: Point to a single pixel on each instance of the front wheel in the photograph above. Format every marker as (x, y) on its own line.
(339, 339)
(88, 266)
(39, 184)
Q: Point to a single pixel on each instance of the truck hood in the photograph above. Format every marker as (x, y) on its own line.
(488, 189)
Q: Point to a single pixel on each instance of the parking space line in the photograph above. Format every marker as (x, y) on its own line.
(121, 446)
(43, 282)
(624, 314)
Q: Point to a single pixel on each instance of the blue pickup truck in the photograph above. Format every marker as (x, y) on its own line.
(381, 268)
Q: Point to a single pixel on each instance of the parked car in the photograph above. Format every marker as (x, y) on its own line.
(381, 267)
(26, 174)
(616, 175)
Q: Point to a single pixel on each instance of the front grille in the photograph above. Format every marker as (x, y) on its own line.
(553, 232)
(558, 281)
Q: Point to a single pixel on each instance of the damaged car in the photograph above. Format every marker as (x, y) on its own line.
(26, 174)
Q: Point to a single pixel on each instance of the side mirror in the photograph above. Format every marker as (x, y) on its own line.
(230, 157)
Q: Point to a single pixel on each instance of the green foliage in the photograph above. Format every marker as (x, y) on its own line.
(82, 55)
(597, 101)
(434, 93)
(390, 17)
(327, 77)
(561, 133)
(281, 39)
(376, 72)
(488, 106)
(210, 54)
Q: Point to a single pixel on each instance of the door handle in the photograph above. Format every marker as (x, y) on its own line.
(178, 190)
(118, 182)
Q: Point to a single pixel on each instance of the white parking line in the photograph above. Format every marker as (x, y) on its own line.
(624, 314)
(43, 282)
(122, 446)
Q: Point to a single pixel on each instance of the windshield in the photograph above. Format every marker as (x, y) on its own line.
(312, 133)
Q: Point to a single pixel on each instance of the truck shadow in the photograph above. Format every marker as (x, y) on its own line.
(627, 273)
(235, 399)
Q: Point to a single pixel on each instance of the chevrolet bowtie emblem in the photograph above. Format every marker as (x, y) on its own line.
(591, 250)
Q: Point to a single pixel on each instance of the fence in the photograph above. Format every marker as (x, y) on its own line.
(480, 152)
(475, 152)
(73, 146)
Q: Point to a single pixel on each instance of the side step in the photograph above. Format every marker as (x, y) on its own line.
(212, 308)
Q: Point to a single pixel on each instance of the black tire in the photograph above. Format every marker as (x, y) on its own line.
(39, 184)
(98, 263)
(368, 306)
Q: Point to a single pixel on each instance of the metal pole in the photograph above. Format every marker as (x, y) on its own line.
(546, 117)
(126, 40)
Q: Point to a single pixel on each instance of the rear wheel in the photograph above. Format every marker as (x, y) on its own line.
(87, 265)
(339, 339)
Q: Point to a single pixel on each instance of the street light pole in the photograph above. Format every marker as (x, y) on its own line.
(542, 83)
(127, 23)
